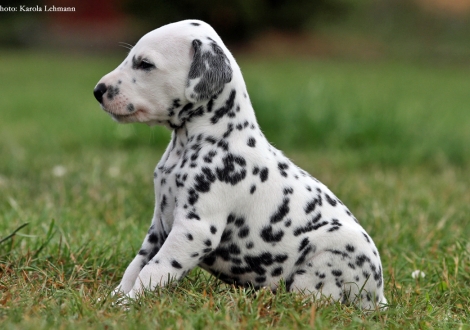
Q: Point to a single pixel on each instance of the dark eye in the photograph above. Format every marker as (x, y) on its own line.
(145, 65)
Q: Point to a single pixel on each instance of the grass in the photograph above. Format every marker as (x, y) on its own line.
(390, 139)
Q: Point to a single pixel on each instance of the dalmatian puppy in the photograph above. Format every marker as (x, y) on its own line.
(226, 200)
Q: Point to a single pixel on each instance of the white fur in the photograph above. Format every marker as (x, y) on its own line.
(209, 149)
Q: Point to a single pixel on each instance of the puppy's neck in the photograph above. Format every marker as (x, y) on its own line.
(217, 118)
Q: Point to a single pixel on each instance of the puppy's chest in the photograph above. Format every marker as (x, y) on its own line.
(173, 177)
(168, 180)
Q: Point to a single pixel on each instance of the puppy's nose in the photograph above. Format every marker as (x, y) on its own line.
(99, 91)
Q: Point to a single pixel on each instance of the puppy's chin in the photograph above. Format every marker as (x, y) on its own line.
(137, 116)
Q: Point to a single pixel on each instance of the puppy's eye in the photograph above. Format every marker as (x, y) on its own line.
(145, 65)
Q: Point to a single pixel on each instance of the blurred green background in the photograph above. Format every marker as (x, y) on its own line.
(371, 97)
(386, 81)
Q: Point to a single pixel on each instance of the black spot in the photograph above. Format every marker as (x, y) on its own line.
(331, 201)
(310, 207)
(192, 215)
(210, 156)
(282, 167)
(211, 140)
(300, 272)
(281, 212)
(163, 203)
(153, 238)
(223, 144)
(239, 222)
(260, 279)
(349, 248)
(229, 131)
(224, 110)
(230, 218)
(338, 252)
(269, 236)
(176, 264)
(209, 260)
(231, 249)
(193, 196)
(320, 275)
(112, 92)
(244, 232)
(178, 181)
(264, 174)
(237, 261)
(367, 237)
(207, 242)
(213, 230)
(303, 244)
(195, 24)
(251, 142)
(130, 107)
(361, 259)
(277, 271)
(238, 270)
(311, 225)
(226, 235)
(255, 263)
(233, 171)
(255, 170)
(189, 236)
(288, 191)
(336, 272)
(303, 256)
(252, 189)
(250, 245)
(280, 258)
(143, 252)
(204, 180)
(319, 285)
(184, 112)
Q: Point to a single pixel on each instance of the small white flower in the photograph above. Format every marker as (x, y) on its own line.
(114, 171)
(417, 274)
(59, 171)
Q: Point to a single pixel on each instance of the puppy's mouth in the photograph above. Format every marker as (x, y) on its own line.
(123, 117)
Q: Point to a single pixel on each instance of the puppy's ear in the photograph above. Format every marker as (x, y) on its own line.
(210, 71)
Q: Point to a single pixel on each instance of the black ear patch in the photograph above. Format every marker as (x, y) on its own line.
(212, 67)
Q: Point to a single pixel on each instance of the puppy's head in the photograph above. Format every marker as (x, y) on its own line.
(167, 74)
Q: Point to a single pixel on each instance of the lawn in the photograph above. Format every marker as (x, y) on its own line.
(391, 139)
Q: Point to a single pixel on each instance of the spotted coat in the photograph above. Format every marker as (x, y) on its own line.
(227, 200)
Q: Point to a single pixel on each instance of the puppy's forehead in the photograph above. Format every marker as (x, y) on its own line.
(177, 33)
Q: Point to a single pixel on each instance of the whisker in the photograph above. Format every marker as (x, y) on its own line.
(125, 45)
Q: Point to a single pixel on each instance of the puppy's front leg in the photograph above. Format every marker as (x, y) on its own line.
(187, 244)
(151, 245)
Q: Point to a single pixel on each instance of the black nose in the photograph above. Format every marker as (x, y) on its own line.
(99, 91)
